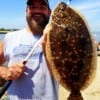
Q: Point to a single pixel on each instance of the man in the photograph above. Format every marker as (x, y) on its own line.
(33, 80)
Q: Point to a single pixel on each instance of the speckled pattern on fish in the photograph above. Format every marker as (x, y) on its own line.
(70, 48)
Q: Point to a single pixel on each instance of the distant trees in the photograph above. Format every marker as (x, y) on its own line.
(3, 29)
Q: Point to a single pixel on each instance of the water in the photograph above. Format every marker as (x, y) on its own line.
(2, 36)
(96, 36)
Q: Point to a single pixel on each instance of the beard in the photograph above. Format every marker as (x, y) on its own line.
(37, 22)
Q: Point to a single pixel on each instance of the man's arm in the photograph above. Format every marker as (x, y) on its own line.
(2, 59)
(3, 70)
(9, 73)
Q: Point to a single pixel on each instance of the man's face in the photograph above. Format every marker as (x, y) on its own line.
(37, 14)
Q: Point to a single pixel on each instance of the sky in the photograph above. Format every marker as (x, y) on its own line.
(12, 12)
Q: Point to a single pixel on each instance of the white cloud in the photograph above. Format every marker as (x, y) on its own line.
(88, 6)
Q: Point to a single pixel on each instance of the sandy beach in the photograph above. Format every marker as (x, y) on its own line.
(90, 93)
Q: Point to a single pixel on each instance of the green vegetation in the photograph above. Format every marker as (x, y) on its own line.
(6, 30)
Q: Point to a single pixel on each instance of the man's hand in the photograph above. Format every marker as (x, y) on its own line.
(13, 72)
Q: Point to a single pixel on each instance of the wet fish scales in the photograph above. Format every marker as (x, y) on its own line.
(70, 48)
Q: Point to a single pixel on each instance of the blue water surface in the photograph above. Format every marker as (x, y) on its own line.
(2, 36)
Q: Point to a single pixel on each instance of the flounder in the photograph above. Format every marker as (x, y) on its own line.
(70, 49)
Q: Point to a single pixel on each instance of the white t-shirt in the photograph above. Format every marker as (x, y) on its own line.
(36, 83)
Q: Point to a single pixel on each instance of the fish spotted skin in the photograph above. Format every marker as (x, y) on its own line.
(70, 48)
